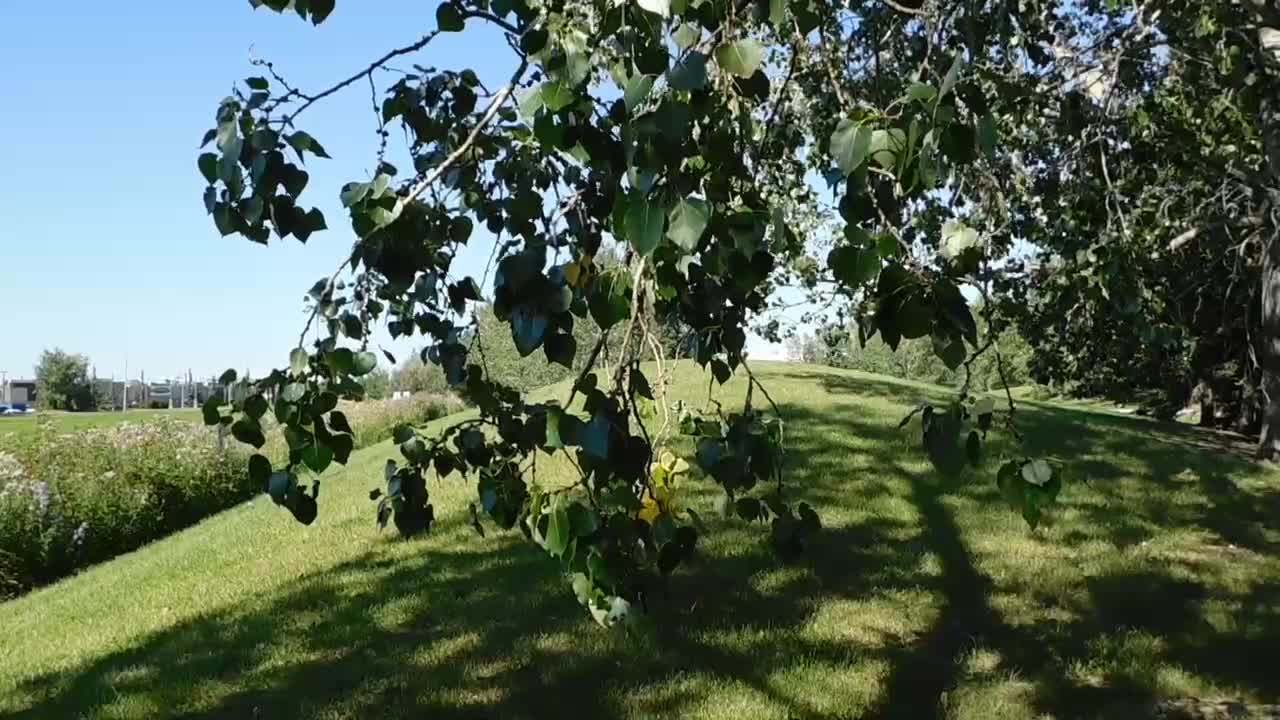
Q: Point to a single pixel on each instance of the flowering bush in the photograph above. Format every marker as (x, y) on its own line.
(71, 500)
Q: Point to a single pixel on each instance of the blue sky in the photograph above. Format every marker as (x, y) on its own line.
(106, 246)
(105, 243)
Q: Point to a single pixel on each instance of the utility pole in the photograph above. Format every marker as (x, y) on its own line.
(4, 386)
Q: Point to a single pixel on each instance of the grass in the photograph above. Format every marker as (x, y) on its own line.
(1157, 577)
(26, 425)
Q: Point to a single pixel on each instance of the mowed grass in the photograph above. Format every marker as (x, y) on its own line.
(19, 426)
(1157, 577)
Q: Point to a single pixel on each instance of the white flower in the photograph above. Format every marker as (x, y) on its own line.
(1037, 472)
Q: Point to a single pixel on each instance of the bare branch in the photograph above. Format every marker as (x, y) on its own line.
(919, 12)
(312, 99)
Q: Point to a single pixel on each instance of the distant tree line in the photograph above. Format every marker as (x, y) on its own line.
(914, 359)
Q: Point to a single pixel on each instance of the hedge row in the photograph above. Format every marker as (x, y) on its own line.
(69, 500)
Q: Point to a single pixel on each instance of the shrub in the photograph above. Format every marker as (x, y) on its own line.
(68, 500)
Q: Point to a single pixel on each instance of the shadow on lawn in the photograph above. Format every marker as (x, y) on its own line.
(452, 634)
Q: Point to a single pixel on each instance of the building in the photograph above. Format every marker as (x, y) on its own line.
(18, 392)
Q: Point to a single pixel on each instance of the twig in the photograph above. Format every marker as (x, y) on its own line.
(302, 337)
(312, 99)
(831, 73)
(752, 378)
(586, 369)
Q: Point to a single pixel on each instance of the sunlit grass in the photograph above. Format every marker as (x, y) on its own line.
(1156, 577)
(19, 426)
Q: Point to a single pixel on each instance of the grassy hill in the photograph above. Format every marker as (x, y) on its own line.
(1157, 576)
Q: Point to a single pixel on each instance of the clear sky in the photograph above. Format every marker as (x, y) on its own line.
(105, 247)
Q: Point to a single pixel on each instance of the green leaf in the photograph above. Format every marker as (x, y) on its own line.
(247, 431)
(553, 439)
(303, 142)
(561, 348)
(950, 350)
(353, 193)
(298, 360)
(593, 438)
(528, 328)
(778, 15)
(559, 531)
(227, 377)
(255, 406)
(320, 10)
(209, 410)
(208, 163)
(530, 102)
(338, 421)
(921, 92)
(256, 83)
(644, 223)
(533, 41)
(636, 91)
(690, 73)
(278, 486)
(748, 508)
(850, 143)
(657, 7)
(448, 18)
(913, 317)
(610, 299)
(687, 221)
(363, 363)
(582, 521)
(740, 58)
(293, 392)
(887, 145)
(957, 238)
(317, 457)
(686, 35)
(556, 95)
(988, 134)
(853, 266)
(953, 75)
(259, 469)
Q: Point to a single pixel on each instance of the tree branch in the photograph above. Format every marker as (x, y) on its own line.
(919, 12)
(312, 99)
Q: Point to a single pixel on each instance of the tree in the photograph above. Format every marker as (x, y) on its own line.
(377, 384)
(415, 376)
(1151, 191)
(62, 381)
(682, 137)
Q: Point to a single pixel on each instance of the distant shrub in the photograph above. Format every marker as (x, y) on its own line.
(71, 500)
(68, 500)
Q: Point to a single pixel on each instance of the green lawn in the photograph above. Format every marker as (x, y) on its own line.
(1157, 577)
(25, 425)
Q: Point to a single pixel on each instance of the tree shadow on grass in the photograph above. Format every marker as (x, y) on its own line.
(495, 632)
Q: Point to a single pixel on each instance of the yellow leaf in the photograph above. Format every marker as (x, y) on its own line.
(649, 509)
(577, 274)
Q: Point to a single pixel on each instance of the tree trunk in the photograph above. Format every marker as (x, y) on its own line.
(1269, 330)
(1208, 417)
(1269, 351)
